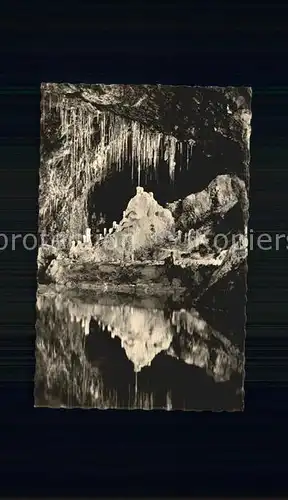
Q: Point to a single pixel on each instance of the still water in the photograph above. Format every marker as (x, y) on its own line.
(117, 351)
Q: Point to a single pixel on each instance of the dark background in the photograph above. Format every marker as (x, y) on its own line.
(76, 452)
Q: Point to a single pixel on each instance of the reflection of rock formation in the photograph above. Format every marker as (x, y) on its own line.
(144, 333)
(199, 345)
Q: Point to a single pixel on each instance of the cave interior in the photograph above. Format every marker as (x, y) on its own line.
(108, 199)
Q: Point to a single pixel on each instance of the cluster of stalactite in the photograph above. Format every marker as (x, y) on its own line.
(76, 132)
(118, 140)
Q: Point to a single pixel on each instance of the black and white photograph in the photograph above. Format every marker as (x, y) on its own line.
(143, 244)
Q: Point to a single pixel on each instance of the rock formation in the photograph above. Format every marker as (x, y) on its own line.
(216, 200)
(145, 224)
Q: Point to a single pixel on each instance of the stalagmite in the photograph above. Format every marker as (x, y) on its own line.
(73, 246)
(88, 235)
(104, 231)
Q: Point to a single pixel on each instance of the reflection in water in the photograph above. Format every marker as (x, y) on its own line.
(118, 353)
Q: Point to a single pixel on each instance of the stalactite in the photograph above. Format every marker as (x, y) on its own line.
(190, 145)
(117, 136)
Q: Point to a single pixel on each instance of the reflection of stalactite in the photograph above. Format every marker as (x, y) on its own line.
(169, 405)
(136, 387)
